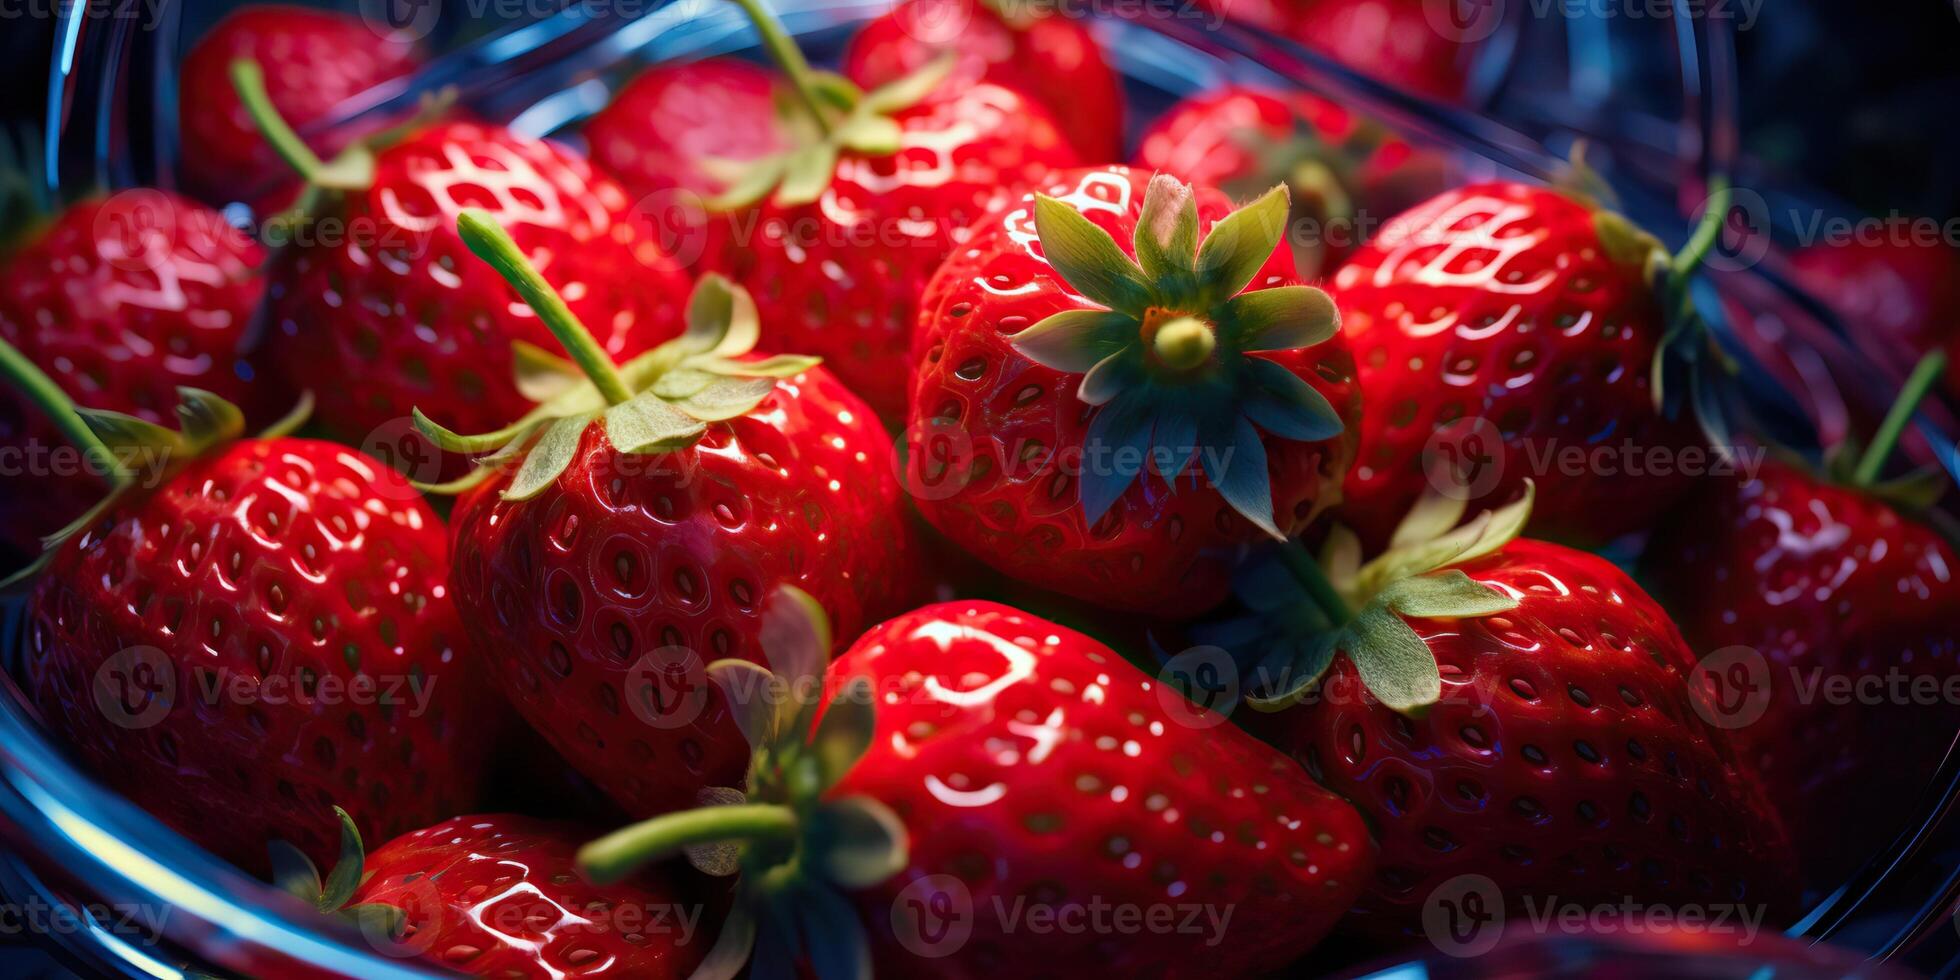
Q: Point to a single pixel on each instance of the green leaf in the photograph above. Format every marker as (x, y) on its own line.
(836, 946)
(1240, 243)
(346, 873)
(647, 424)
(744, 324)
(1174, 440)
(132, 438)
(1073, 341)
(458, 486)
(457, 443)
(1918, 490)
(1506, 523)
(730, 952)
(1447, 594)
(1166, 239)
(750, 690)
(548, 457)
(1110, 377)
(1394, 663)
(710, 314)
(862, 842)
(378, 921)
(1297, 668)
(779, 940)
(1084, 255)
(871, 134)
(1114, 452)
(682, 382)
(795, 635)
(205, 420)
(727, 398)
(1340, 558)
(1434, 515)
(1239, 475)
(1283, 318)
(773, 366)
(807, 172)
(1285, 405)
(909, 90)
(844, 732)
(744, 182)
(290, 422)
(718, 858)
(293, 872)
(542, 375)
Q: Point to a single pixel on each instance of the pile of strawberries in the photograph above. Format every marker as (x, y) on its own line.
(728, 479)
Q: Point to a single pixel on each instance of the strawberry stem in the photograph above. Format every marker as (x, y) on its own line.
(493, 244)
(1307, 572)
(616, 855)
(1924, 374)
(45, 394)
(248, 80)
(787, 56)
(1707, 232)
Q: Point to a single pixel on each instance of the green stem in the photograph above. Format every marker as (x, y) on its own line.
(616, 855)
(493, 244)
(248, 80)
(783, 50)
(1924, 374)
(41, 390)
(1307, 572)
(1707, 232)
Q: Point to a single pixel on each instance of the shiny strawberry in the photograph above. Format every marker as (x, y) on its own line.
(1501, 328)
(379, 288)
(499, 895)
(246, 631)
(628, 530)
(975, 764)
(1117, 428)
(1344, 172)
(1898, 298)
(122, 300)
(670, 128)
(1051, 57)
(1426, 47)
(1517, 710)
(1825, 611)
(319, 63)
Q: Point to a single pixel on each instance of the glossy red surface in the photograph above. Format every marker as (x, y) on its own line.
(602, 599)
(1038, 769)
(668, 126)
(1564, 759)
(1898, 299)
(266, 636)
(995, 440)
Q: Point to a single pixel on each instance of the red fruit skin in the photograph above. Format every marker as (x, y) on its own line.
(841, 278)
(120, 301)
(985, 423)
(1822, 582)
(1497, 778)
(396, 300)
(266, 562)
(1416, 45)
(499, 895)
(1898, 299)
(1054, 59)
(668, 125)
(601, 600)
(314, 61)
(1038, 767)
(1489, 323)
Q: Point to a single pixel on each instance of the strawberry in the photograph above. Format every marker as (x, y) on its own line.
(1898, 298)
(1051, 57)
(121, 300)
(1067, 398)
(668, 129)
(245, 631)
(655, 507)
(1500, 328)
(974, 765)
(379, 287)
(1513, 709)
(498, 895)
(1824, 610)
(321, 62)
(1423, 46)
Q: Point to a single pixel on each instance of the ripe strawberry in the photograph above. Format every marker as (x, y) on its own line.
(1898, 299)
(320, 61)
(245, 632)
(379, 287)
(1518, 710)
(498, 895)
(1422, 46)
(122, 300)
(1053, 58)
(655, 507)
(669, 128)
(1342, 169)
(1825, 611)
(1089, 483)
(975, 764)
(1500, 328)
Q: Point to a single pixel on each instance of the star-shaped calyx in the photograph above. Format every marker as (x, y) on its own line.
(1171, 361)
(796, 848)
(658, 402)
(295, 873)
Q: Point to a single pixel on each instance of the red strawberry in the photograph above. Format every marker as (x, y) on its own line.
(1426, 47)
(319, 63)
(669, 128)
(1014, 768)
(656, 506)
(1053, 58)
(1210, 414)
(1521, 711)
(1500, 328)
(122, 300)
(1343, 170)
(1898, 299)
(245, 632)
(1825, 614)
(380, 288)
(498, 895)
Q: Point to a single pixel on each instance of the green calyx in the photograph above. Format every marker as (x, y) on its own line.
(1863, 467)
(828, 117)
(1169, 359)
(1320, 176)
(1340, 605)
(129, 452)
(295, 874)
(796, 848)
(659, 402)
